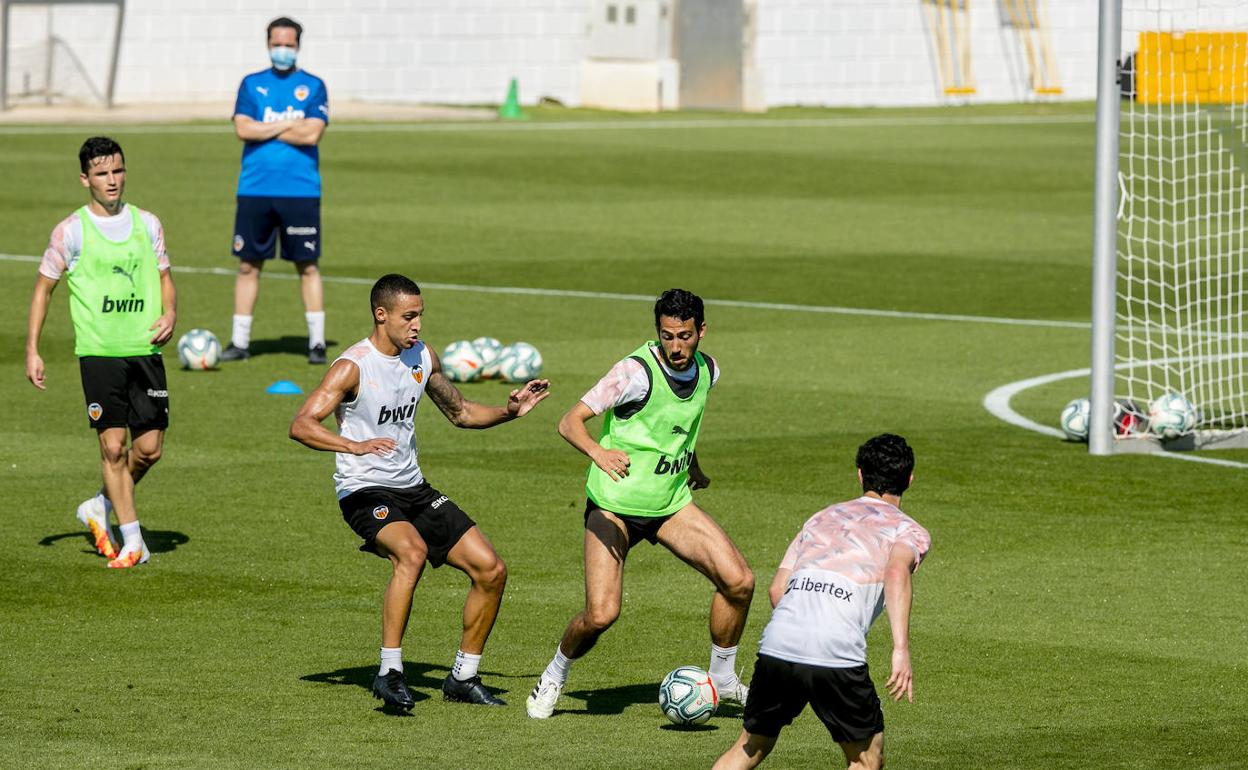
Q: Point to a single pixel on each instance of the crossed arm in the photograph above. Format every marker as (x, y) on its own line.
(300, 131)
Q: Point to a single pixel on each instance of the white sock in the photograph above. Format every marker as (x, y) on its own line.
(316, 328)
(557, 671)
(241, 336)
(132, 537)
(465, 665)
(723, 663)
(391, 660)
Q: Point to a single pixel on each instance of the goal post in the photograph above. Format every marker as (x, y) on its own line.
(1170, 243)
(43, 65)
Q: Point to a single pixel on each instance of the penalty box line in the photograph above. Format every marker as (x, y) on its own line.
(601, 295)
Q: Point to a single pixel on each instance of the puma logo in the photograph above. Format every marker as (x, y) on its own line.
(129, 274)
(679, 431)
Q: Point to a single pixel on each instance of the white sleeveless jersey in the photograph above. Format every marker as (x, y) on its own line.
(384, 407)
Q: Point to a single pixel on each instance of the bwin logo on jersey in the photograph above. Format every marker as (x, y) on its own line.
(131, 305)
(397, 414)
(273, 116)
(674, 467)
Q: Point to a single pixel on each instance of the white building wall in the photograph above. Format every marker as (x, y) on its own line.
(807, 52)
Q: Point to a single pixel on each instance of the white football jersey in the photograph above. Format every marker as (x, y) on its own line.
(384, 407)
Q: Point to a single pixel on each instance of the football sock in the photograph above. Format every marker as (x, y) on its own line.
(316, 328)
(557, 671)
(391, 660)
(723, 663)
(465, 665)
(241, 336)
(132, 537)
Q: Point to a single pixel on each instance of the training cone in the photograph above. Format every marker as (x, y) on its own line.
(510, 108)
(284, 388)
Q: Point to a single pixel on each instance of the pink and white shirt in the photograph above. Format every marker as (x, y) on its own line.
(628, 382)
(836, 582)
(65, 245)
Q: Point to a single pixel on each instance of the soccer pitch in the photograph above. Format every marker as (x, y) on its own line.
(1073, 612)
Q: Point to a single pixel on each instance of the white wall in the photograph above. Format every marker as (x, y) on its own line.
(811, 52)
(821, 52)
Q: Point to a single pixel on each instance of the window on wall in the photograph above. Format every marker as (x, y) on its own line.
(630, 14)
(612, 13)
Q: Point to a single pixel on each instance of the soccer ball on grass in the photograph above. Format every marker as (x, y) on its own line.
(461, 362)
(687, 696)
(491, 351)
(520, 362)
(199, 349)
(1170, 416)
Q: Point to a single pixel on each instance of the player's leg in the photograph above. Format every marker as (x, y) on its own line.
(864, 755)
(399, 542)
(147, 396)
(749, 751)
(699, 541)
(104, 388)
(255, 240)
(475, 557)
(606, 548)
(301, 243)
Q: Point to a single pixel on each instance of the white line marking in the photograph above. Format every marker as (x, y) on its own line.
(540, 292)
(595, 125)
(997, 402)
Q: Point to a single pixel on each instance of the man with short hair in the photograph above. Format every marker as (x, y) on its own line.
(374, 389)
(280, 115)
(121, 301)
(638, 488)
(848, 562)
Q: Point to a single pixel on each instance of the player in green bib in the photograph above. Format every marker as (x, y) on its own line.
(644, 465)
(121, 302)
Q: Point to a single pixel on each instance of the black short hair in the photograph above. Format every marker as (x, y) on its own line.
(387, 288)
(284, 21)
(886, 462)
(681, 305)
(98, 147)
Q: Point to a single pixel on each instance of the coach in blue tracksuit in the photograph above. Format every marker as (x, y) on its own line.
(280, 116)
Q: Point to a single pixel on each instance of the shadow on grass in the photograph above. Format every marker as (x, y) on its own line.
(285, 344)
(613, 700)
(157, 540)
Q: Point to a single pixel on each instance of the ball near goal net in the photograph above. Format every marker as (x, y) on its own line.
(1170, 290)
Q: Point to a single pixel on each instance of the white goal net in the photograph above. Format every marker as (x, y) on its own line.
(1182, 263)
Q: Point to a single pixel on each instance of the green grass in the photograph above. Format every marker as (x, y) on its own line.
(1074, 611)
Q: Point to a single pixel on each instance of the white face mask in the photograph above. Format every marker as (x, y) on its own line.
(283, 57)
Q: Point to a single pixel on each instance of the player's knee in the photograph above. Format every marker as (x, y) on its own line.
(739, 587)
(409, 560)
(309, 269)
(600, 617)
(494, 578)
(113, 452)
(145, 458)
(248, 269)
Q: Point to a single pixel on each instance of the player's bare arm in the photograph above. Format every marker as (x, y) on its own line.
(778, 585)
(251, 130)
(340, 383)
(304, 132)
(162, 330)
(613, 462)
(897, 596)
(38, 314)
(463, 413)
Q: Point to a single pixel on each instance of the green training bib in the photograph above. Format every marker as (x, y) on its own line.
(659, 439)
(114, 292)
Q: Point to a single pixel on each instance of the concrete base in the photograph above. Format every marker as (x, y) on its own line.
(633, 86)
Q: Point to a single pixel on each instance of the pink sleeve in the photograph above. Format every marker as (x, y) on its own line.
(56, 257)
(624, 383)
(790, 554)
(156, 232)
(917, 538)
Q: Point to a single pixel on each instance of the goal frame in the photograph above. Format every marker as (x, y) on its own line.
(6, 6)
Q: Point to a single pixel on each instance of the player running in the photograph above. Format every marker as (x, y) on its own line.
(121, 301)
(638, 486)
(847, 563)
(373, 390)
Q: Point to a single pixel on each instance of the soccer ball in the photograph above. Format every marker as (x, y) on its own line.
(490, 350)
(1170, 416)
(199, 349)
(520, 362)
(1075, 419)
(461, 362)
(687, 696)
(1129, 418)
